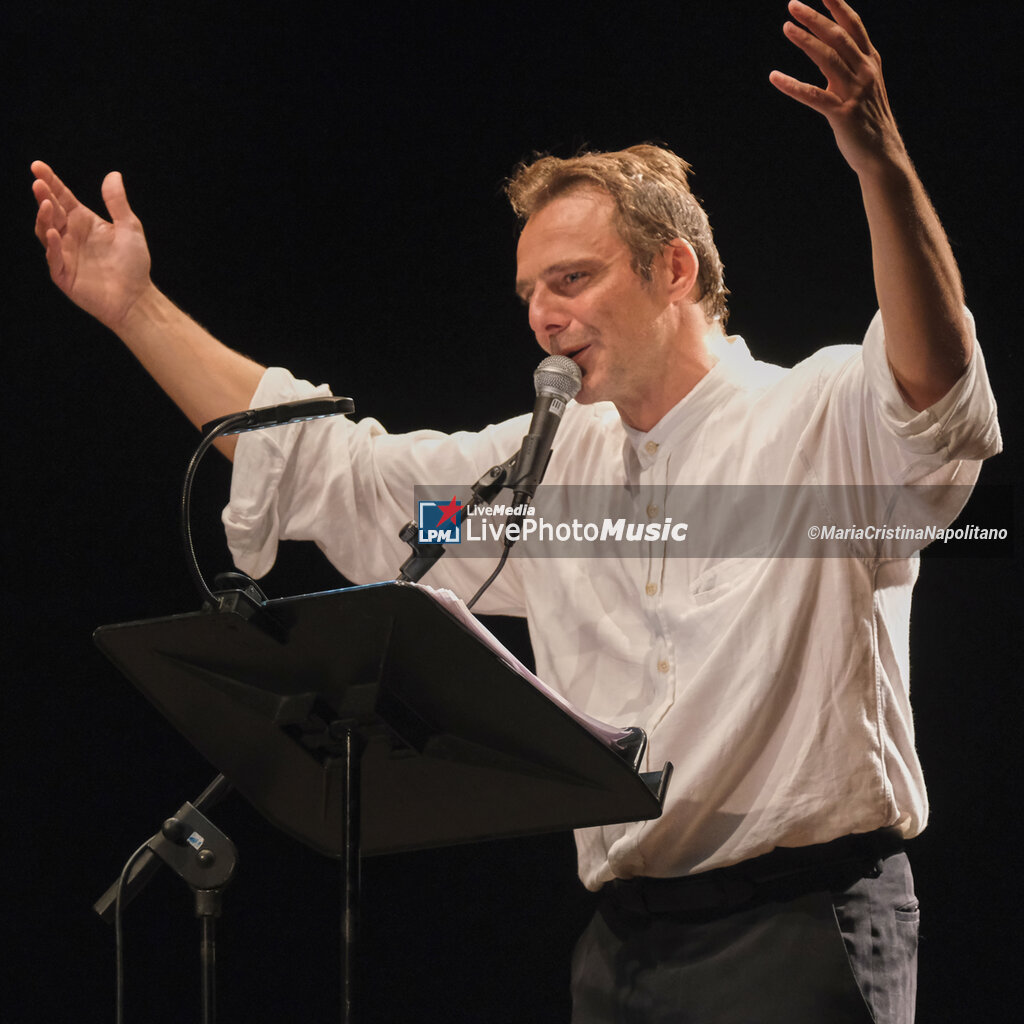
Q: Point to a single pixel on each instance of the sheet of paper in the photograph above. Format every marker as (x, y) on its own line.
(457, 607)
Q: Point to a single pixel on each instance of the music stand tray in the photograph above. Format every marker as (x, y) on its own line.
(457, 745)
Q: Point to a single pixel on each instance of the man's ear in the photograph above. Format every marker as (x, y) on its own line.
(681, 268)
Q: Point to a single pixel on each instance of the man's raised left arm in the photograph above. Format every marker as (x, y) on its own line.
(920, 295)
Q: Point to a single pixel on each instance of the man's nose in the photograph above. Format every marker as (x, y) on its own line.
(549, 315)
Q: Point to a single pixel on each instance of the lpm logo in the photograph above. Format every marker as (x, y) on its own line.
(439, 522)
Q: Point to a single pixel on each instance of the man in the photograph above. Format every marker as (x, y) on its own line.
(773, 888)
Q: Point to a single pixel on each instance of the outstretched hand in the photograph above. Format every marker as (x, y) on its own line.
(854, 99)
(102, 266)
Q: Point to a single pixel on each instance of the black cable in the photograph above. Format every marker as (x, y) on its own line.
(118, 934)
(494, 575)
(223, 426)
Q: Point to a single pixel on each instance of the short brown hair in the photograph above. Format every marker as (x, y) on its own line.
(649, 186)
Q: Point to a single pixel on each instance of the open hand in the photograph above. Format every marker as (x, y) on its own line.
(854, 100)
(102, 266)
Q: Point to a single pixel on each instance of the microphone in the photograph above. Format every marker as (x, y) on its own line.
(556, 380)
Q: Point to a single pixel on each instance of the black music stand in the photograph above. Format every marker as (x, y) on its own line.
(372, 720)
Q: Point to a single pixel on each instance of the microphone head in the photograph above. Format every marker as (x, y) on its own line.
(559, 376)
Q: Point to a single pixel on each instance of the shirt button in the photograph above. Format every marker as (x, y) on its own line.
(652, 589)
(663, 667)
(651, 447)
(652, 511)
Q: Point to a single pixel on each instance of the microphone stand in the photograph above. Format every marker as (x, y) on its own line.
(205, 858)
(189, 842)
(148, 863)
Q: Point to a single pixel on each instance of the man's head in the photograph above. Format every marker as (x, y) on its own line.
(650, 190)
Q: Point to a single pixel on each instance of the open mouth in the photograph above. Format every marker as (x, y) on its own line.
(575, 354)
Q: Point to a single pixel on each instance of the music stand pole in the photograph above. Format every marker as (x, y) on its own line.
(350, 866)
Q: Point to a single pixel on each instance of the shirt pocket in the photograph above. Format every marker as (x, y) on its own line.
(725, 577)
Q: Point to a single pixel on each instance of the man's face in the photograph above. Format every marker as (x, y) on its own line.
(586, 302)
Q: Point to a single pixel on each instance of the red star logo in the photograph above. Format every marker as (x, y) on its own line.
(450, 511)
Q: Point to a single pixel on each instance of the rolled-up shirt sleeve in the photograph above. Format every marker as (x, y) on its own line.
(962, 425)
(914, 468)
(860, 428)
(349, 487)
(252, 519)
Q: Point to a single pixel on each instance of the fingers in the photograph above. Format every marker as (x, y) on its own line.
(827, 58)
(840, 49)
(52, 214)
(54, 254)
(50, 223)
(809, 95)
(824, 34)
(44, 215)
(850, 20)
(56, 188)
(42, 171)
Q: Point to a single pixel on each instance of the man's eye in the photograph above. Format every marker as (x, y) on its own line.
(575, 277)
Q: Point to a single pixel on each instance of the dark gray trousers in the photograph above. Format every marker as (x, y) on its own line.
(839, 949)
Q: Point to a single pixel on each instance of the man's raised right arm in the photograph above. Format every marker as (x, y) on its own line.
(103, 267)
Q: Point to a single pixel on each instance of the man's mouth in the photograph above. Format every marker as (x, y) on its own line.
(574, 355)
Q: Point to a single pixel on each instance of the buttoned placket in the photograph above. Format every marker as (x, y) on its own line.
(651, 499)
(653, 460)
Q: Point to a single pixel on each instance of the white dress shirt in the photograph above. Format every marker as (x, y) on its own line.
(777, 687)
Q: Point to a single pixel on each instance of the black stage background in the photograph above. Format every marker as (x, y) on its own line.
(323, 191)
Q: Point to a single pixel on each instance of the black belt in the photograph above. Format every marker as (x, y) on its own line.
(783, 873)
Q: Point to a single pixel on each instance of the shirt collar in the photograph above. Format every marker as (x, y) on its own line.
(697, 404)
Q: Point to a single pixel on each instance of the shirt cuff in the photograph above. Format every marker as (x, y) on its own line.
(960, 425)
